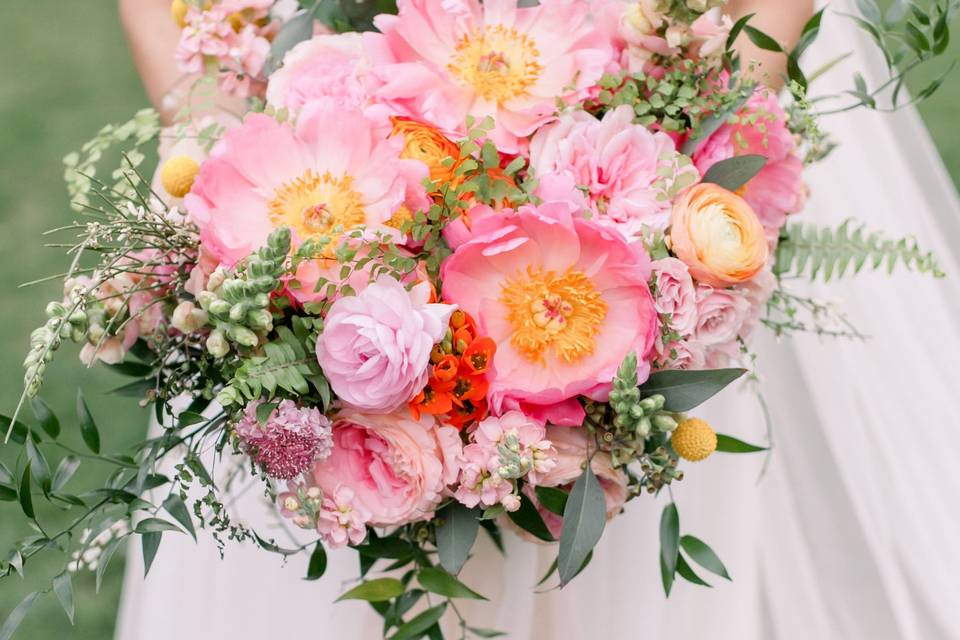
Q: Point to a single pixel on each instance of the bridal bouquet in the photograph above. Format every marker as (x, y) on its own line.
(460, 266)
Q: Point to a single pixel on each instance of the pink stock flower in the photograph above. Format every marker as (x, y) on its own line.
(627, 169)
(331, 170)
(206, 36)
(675, 294)
(564, 298)
(778, 189)
(245, 59)
(290, 440)
(398, 468)
(375, 346)
(450, 60)
(342, 519)
(709, 37)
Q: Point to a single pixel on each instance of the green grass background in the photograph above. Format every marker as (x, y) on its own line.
(64, 72)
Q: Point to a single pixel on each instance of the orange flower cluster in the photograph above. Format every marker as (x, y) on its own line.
(428, 145)
(457, 388)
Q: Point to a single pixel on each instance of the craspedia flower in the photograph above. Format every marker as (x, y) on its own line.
(694, 440)
(178, 10)
(290, 440)
(177, 175)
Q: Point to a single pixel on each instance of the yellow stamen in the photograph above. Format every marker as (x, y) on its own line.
(316, 205)
(499, 62)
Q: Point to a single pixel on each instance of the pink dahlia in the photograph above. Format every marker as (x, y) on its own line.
(761, 129)
(448, 60)
(628, 170)
(565, 299)
(330, 171)
(290, 440)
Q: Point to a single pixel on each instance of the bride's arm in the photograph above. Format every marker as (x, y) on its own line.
(152, 37)
(783, 20)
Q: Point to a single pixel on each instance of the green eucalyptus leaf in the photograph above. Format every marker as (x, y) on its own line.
(669, 544)
(45, 416)
(26, 499)
(63, 588)
(16, 616)
(295, 31)
(6, 476)
(485, 633)
(88, 428)
(149, 525)
(701, 553)
(729, 444)
(318, 563)
(7, 493)
(584, 518)
(150, 542)
(176, 508)
(869, 10)
(419, 624)
(38, 465)
(105, 557)
(552, 499)
(737, 28)
(376, 590)
(529, 519)
(685, 390)
(762, 40)
(687, 573)
(442, 583)
(456, 535)
(65, 470)
(733, 173)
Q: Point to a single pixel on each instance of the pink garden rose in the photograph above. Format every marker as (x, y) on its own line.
(626, 168)
(375, 346)
(448, 60)
(565, 299)
(397, 468)
(687, 353)
(675, 294)
(720, 314)
(778, 189)
(331, 170)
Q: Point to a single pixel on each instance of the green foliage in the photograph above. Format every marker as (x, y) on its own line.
(811, 250)
(673, 546)
(584, 518)
(455, 534)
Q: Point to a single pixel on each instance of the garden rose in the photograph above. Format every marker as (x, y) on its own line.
(397, 468)
(717, 235)
(675, 294)
(375, 346)
(720, 315)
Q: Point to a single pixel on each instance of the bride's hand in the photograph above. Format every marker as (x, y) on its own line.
(152, 37)
(782, 20)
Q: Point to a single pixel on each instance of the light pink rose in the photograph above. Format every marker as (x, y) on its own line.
(375, 346)
(398, 468)
(620, 163)
(688, 354)
(675, 294)
(758, 292)
(720, 315)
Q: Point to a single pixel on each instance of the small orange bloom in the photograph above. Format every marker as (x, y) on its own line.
(431, 401)
(478, 356)
(472, 388)
(446, 369)
(428, 145)
(469, 412)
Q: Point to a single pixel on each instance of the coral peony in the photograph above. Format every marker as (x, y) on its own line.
(718, 236)
(397, 468)
(629, 172)
(490, 59)
(375, 346)
(331, 171)
(565, 300)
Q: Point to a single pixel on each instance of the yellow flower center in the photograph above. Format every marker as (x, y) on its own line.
(316, 205)
(498, 62)
(554, 312)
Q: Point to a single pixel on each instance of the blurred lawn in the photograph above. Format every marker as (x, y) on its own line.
(66, 73)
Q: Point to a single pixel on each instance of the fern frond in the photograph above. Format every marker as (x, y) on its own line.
(285, 365)
(810, 250)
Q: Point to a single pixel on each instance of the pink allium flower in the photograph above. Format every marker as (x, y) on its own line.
(720, 314)
(331, 170)
(375, 346)
(450, 60)
(398, 468)
(342, 519)
(675, 294)
(571, 447)
(564, 298)
(290, 441)
(502, 450)
(626, 168)
(778, 189)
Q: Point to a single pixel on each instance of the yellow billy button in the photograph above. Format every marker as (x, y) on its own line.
(694, 440)
(177, 175)
(178, 9)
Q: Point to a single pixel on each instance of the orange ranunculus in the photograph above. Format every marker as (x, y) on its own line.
(718, 236)
(428, 145)
(478, 356)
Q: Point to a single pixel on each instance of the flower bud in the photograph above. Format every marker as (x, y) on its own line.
(664, 422)
(244, 336)
(187, 318)
(217, 344)
(511, 502)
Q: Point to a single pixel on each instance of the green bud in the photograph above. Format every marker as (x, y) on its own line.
(238, 312)
(260, 319)
(644, 427)
(218, 347)
(664, 422)
(56, 310)
(243, 336)
(219, 308)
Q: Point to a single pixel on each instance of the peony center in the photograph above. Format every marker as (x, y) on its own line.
(315, 205)
(498, 62)
(553, 313)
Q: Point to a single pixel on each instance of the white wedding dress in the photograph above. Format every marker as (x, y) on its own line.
(851, 533)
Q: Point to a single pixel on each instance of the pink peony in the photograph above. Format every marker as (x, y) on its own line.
(375, 346)
(675, 295)
(331, 170)
(571, 448)
(778, 189)
(327, 66)
(627, 170)
(288, 442)
(490, 59)
(398, 468)
(564, 298)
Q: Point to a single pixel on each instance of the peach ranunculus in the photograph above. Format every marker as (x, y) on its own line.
(397, 468)
(565, 299)
(430, 146)
(718, 236)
